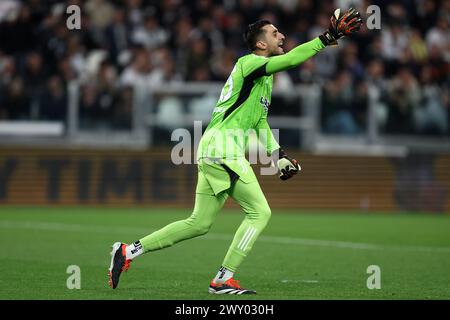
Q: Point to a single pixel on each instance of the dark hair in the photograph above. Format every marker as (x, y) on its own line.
(253, 32)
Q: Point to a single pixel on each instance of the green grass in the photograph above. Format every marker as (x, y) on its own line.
(308, 255)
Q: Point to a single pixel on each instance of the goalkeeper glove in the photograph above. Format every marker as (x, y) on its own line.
(341, 25)
(288, 167)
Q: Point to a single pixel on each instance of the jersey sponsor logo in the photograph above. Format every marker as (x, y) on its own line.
(265, 103)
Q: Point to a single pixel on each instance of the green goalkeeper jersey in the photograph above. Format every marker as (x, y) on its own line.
(244, 103)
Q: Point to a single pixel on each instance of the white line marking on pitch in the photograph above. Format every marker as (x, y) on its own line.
(296, 281)
(215, 236)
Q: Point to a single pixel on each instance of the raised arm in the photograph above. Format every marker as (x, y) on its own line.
(341, 24)
(294, 57)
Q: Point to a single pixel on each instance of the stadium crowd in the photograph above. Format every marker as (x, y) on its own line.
(123, 42)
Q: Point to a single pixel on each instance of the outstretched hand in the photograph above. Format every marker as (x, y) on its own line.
(342, 24)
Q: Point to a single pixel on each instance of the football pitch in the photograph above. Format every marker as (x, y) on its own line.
(300, 255)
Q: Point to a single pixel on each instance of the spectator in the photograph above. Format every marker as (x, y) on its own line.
(222, 65)
(54, 101)
(375, 75)
(9, 9)
(207, 30)
(180, 41)
(233, 33)
(151, 35)
(337, 111)
(164, 71)
(197, 62)
(16, 27)
(431, 117)
(17, 102)
(117, 35)
(417, 47)
(139, 70)
(135, 14)
(439, 36)
(440, 67)
(7, 70)
(306, 73)
(403, 101)
(348, 60)
(34, 81)
(394, 42)
(101, 14)
(428, 14)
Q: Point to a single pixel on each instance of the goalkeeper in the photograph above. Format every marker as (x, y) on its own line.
(223, 170)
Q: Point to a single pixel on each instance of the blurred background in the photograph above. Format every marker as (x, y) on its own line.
(86, 116)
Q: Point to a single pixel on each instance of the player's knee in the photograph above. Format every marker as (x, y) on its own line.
(198, 227)
(266, 213)
(261, 212)
(201, 228)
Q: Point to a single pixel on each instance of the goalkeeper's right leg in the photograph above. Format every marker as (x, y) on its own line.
(199, 223)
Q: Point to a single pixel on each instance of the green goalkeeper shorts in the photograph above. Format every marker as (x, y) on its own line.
(215, 176)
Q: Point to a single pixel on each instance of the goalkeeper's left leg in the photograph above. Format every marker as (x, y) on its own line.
(257, 214)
